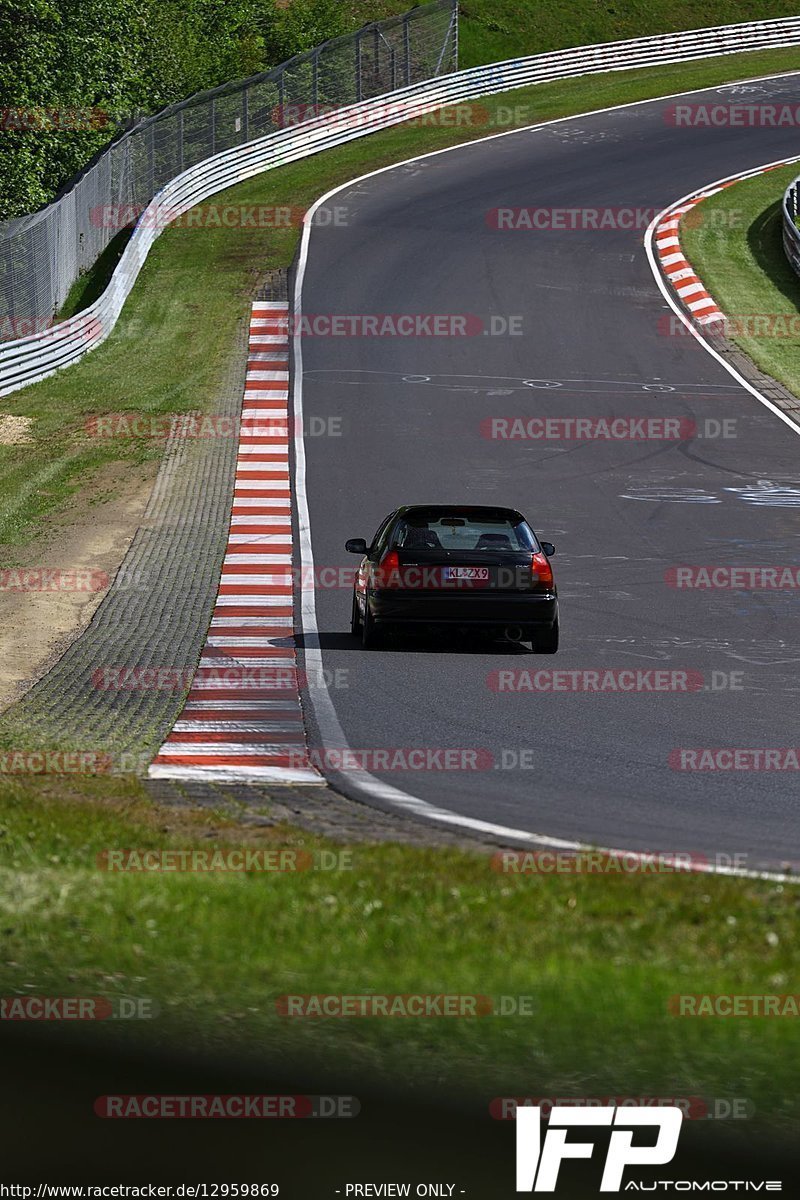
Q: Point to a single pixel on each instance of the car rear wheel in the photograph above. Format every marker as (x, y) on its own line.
(546, 640)
(355, 618)
(371, 635)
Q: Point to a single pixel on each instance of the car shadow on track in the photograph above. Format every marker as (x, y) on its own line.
(419, 643)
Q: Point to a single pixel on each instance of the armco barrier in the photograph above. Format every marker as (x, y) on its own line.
(32, 358)
(791, 234)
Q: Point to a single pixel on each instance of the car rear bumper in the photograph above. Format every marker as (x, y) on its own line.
(441, 608)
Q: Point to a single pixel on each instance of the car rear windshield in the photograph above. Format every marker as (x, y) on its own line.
(465, 532)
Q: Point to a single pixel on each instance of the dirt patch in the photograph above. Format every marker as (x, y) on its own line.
(50, 590)
(15, 431)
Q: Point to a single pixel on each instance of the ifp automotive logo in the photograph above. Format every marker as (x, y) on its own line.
(539, 1159)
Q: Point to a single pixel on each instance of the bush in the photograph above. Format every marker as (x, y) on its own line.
(75, 71)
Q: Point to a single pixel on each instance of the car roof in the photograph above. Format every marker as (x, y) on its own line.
(478, 510)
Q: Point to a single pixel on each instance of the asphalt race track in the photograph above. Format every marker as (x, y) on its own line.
(417, 240)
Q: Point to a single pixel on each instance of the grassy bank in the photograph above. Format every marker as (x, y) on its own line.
(737, 251)
(494, 29)
(171, 348)
(599, 956)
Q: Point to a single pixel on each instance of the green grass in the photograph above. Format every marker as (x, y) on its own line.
(89, 286)
(735, 246)
(598, 955)
(171, 348)
(491, 30)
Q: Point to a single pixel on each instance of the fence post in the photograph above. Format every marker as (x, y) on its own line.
(151, 160)
(451, 29)
(9, 309)
(281, 101)
(181, 152)
(212, 109)
(315, 83)
(407, 48)
(246, 114)
(359, 92)
(376, 49)
(454, 26)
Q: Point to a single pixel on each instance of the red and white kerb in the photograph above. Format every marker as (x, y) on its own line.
(242, 720)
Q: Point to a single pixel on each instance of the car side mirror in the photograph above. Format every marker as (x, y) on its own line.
(549, 549)
(355, 546)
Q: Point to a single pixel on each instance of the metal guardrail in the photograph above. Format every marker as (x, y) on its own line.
(32, 358)
(791, 233)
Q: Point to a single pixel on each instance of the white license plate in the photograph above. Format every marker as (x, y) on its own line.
(477, 574)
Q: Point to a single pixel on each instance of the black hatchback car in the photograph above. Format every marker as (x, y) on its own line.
(459, 565)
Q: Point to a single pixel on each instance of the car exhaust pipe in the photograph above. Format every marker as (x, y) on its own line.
(514, 633)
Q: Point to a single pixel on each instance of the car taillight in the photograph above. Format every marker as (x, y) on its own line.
(541, 571)
(387, 574)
